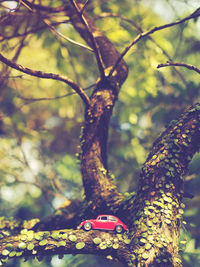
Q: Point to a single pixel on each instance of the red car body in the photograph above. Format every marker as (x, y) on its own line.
(104, 222)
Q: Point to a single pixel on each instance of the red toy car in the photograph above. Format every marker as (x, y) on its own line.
(104, 222)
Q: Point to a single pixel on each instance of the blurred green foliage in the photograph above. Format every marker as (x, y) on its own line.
(39, 136)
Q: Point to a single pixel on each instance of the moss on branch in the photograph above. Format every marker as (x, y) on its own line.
(39, 244)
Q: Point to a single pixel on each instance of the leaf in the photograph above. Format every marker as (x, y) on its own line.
(145, 255)
(72, 238)
(148, 246)
(80, 245)
(12, 254)
(22, 245)
(115, 245)
(30, 246)
(61, 243)
(97, 240)
(43, 242)
(55, 235)
(5, 252)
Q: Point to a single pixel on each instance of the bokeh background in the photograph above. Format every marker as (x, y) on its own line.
(40, 120)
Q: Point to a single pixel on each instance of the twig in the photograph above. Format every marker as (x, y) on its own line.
(147, 33)
(57, 33)
(44, 98)
(50, 98)
(45, 75)
(84, 7)
(188, 66)
(92, 39)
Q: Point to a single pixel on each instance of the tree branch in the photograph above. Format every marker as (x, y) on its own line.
(147, 33)
(92, 39)
(135, 25)
(45, 75)
(171, 63)
(44, 243)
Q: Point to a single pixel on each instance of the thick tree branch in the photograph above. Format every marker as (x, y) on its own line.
(97, 181)
(45, 75)
(157, 205)
(171, 63)
(151, 31)
(39, 244)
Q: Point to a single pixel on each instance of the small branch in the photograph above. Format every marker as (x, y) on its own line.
(57, 33)
(188, 66)
(44, 98)
(45, 75)
(92, 39)
(84, 7)
(147, 33)
(29, 100)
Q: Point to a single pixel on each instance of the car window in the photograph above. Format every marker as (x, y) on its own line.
(112, 219)
(103, 218)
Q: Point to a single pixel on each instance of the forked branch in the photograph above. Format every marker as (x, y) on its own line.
(147, 33)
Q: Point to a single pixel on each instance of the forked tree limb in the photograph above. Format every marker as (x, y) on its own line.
(97, 181)
(195, 14)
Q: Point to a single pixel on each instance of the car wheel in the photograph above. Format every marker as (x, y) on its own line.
(119, 229)
(87, 226)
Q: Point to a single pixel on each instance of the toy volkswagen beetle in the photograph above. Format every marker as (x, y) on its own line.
(104, 222)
